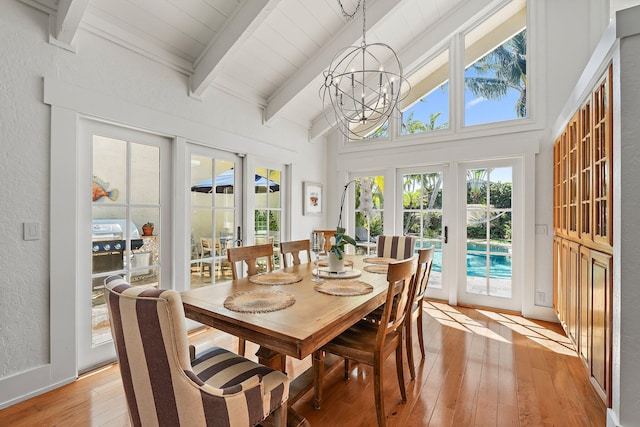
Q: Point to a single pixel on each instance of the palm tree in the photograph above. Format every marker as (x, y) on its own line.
(476, 183)
(415, 126)
(506, 67)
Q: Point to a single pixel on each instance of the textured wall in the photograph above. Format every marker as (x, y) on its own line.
(24, 188)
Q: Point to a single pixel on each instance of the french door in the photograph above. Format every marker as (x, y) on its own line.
(425, 212)
(124, 203)
(215, 194)
(490, 222)
(472, 218)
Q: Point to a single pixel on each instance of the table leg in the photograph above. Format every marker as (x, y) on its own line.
(275, 360)
(272, 359)
(318, 375)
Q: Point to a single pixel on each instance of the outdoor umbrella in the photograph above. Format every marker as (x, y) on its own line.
(225, 181)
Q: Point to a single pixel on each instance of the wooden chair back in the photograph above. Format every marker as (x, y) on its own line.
(294, 248)
(400, 277)
(206, 246)
(425, 261)
(250, 255)
(414, 308)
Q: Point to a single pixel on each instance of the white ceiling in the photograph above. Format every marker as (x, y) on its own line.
(270, 52)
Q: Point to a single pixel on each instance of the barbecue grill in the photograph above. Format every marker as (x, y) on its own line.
(109, 243)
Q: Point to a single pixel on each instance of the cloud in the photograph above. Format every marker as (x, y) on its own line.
(475, 102)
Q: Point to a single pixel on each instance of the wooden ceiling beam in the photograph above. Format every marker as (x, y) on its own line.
(67, 21)
(244, 21)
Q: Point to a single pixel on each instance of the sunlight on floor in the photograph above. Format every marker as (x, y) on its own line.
(449, 316)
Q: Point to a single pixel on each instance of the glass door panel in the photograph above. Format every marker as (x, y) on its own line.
(423, 217)
(129, 179)
(213, 216)
(268, 211)
(489, 238)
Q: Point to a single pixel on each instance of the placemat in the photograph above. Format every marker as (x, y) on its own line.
(379, 260)
(377, 268)
(346, 274)
(344, 288)
(277, 278)
(259, 301)
(325, 263)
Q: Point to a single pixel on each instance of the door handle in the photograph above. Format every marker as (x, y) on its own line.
(446, 234)
(238, 241)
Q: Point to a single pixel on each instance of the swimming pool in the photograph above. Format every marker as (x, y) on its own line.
(499, 264)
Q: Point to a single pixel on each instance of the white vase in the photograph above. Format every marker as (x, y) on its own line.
(335, 265)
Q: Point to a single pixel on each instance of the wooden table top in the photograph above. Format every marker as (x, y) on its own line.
(312, 321)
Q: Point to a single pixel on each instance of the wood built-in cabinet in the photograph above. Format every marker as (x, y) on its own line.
(583, 239)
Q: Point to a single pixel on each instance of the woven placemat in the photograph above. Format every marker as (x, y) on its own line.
(379, 260)
(349, 273)
(259, 301)
(377, 268)
(325, 263)
(277, 278)
(344, 288)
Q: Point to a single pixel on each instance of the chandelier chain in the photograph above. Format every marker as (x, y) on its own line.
(349, 16)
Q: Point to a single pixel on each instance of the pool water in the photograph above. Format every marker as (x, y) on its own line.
(499, 265)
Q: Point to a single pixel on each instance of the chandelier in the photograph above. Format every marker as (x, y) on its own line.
(360, 91)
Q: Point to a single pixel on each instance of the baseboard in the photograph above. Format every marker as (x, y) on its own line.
(28, 384)
(547, 314)
(612, 419)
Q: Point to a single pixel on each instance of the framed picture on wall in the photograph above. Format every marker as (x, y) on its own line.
(312, 198)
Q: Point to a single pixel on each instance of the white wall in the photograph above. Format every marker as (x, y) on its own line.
(626, 299)
(115, 84)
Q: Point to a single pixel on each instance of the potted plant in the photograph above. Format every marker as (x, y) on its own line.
(339, 240)
(147, 229)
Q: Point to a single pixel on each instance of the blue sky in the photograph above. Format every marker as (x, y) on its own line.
(477, 110)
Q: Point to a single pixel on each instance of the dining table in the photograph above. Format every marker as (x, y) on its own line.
(305, 317)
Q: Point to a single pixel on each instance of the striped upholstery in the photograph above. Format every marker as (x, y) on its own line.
(398, 247)
(163, 387)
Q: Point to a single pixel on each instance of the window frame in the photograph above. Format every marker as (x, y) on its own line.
(536, 40)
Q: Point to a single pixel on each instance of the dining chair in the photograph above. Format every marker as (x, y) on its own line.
(294, 248)
(370, 343)
(206, 250)
(250, 255)
(398, 247)
(415, 308)
(164, 386)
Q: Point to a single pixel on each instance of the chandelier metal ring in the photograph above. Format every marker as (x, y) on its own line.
(362, 87)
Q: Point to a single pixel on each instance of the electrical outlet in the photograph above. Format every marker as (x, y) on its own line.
(540, 297)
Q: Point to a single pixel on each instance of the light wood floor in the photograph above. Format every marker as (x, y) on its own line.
(481, 369)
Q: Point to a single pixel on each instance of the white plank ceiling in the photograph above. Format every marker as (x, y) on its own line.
(269, 52)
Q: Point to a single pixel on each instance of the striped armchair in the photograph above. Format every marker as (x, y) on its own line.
(164, 387)
(398, 247)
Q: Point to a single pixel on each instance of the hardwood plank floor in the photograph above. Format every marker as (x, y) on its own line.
(481, 368)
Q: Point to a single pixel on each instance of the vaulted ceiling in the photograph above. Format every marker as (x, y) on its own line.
(269, 52)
